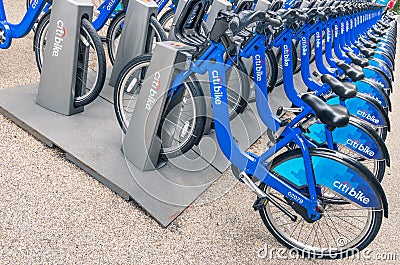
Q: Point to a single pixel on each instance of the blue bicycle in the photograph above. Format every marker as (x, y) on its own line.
(90, 47)
(10, 31)
(309, 198)
(107, 11)
(317, 201)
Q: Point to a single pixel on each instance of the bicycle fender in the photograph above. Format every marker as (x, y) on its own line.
(370, 191)
(366, 88)
(355, 137)
(366, 109)
(375, 74)
(340, 173)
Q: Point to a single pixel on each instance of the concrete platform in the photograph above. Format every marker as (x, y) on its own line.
(92, 140)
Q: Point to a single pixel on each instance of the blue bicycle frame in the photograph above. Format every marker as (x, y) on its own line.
(106, 10)
(13, 31)
(363, 86)
(212, 62)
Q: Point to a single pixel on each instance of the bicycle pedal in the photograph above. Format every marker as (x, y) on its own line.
(260, 203)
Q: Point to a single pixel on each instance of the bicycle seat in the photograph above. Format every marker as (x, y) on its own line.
(354, 74)
(363, 62)
(373, 38)
(343, 89)
(368, 43)
(384, 26)
(378, 32)
(331, 115)
(365, 51)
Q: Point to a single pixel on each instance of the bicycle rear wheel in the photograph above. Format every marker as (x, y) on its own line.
(344, 228)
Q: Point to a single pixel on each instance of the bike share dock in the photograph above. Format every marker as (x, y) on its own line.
(92, 139)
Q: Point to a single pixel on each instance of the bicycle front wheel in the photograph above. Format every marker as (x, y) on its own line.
(183, 120)
(91, 60)
(115, 30)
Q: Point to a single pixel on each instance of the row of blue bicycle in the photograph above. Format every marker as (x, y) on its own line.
(318, 183)
(317, 187)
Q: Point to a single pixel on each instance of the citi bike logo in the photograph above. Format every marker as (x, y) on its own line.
(379, 83)
(34, 4)
(155, 87)
(317, 39)
(159, 3)
(286, 52)
(304, 46)
(328, 35)
(217, 82)
(352, 192)
(360, 147)
(110, 4)
(366, 115)
(59, 38)
(336, 31)
(342, 28)
(259, 64)
(347, 26)
(372, 96)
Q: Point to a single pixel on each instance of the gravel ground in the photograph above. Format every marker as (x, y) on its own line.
(51, 212)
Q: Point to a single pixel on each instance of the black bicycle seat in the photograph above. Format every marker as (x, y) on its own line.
(381, 24)
(332, 115)
(367, 52)
(363, 62)
(354, 74)
(368, 43)
(343, 89)
(378, 32)
(373, 38)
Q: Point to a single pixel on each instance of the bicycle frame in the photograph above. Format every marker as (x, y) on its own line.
(106, 9)
(212, 62)
(363, 86)
(12, 31)
(341, 135)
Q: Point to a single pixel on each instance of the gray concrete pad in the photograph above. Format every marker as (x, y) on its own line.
(92, 140)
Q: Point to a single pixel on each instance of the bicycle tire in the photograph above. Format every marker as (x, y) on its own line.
(94, 41)
(361, 241)
(197, 127)
(169, 16)
(165, 18)
(114, 31)
(39, 40)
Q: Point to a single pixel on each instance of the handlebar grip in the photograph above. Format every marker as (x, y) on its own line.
(302, 17)
(234, 23)
(274, 22)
